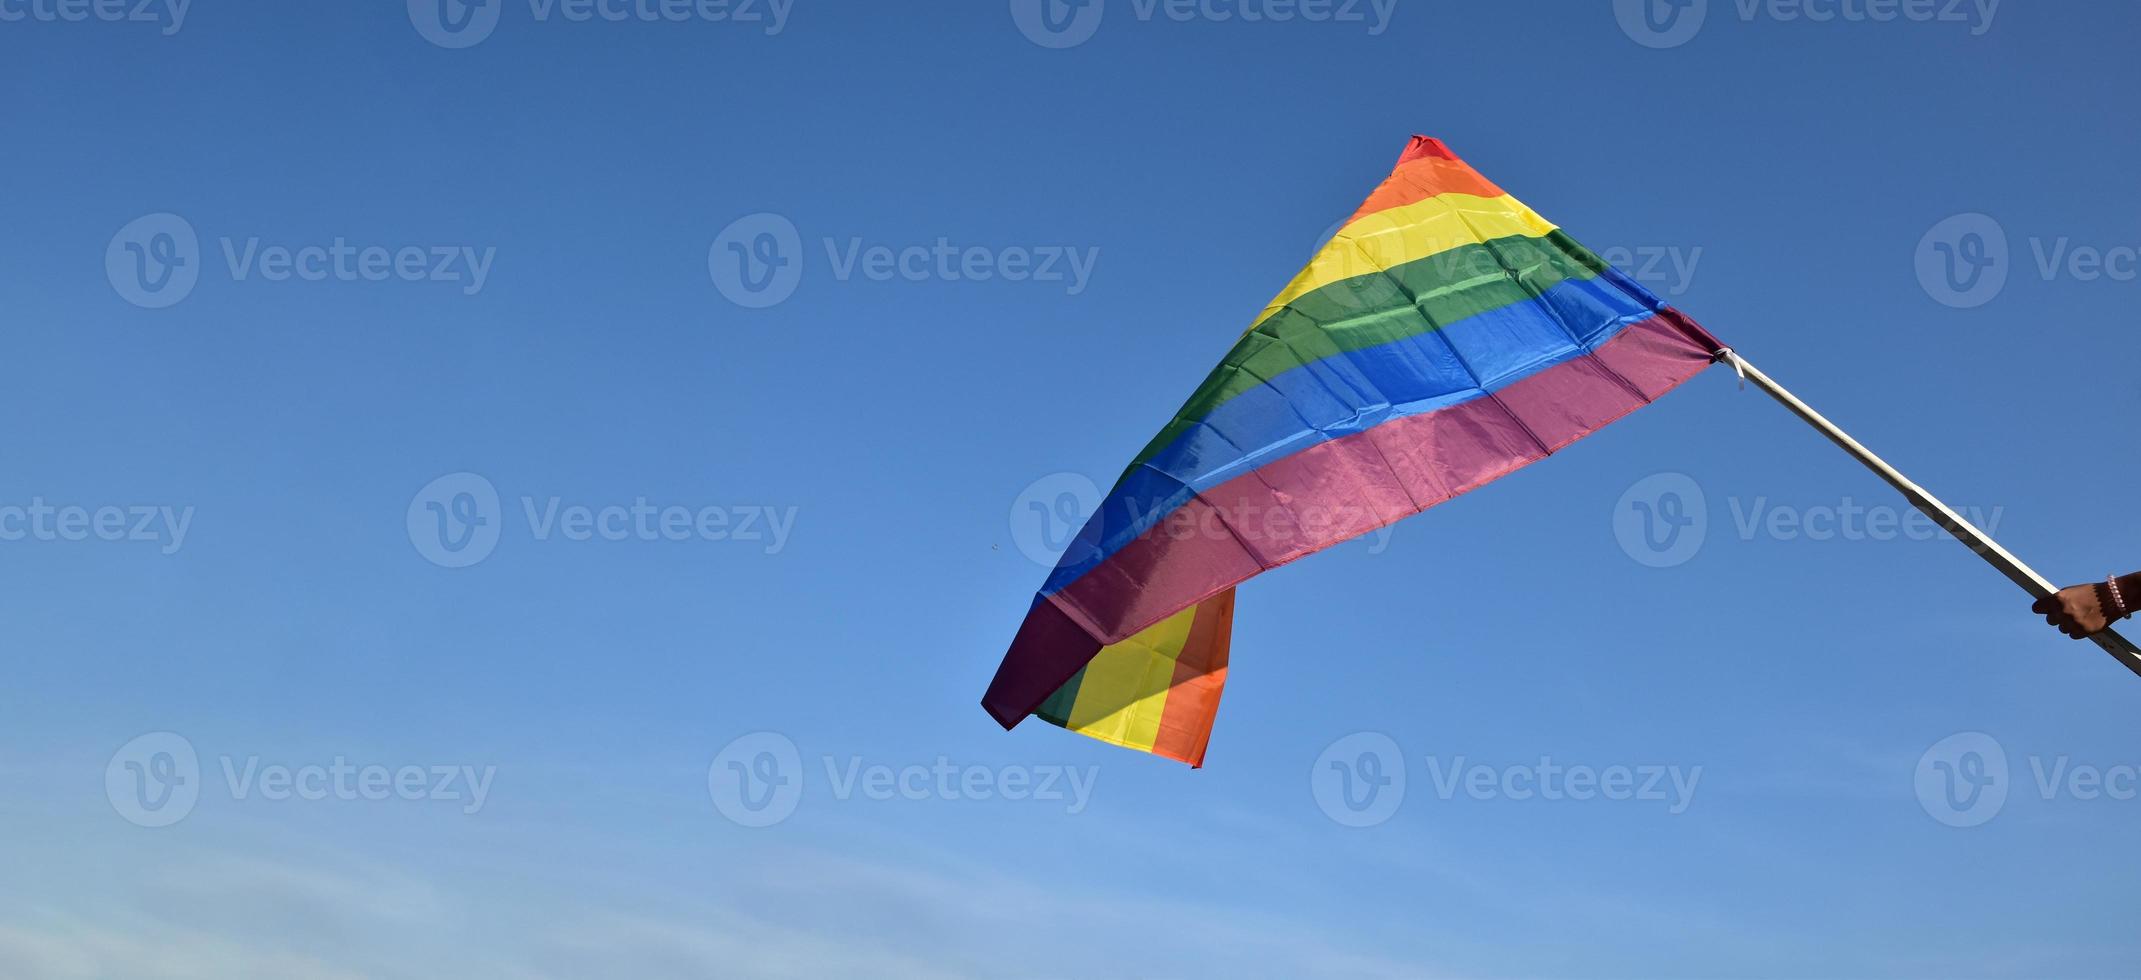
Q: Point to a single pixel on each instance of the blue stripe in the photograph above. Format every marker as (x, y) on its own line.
(1356, 391)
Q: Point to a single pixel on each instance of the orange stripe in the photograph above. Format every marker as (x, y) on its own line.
(1200, 676)
(1423, 177)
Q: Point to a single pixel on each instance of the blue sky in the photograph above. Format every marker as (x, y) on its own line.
(491, 270)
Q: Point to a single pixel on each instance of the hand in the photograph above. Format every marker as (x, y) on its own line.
(2076, 610)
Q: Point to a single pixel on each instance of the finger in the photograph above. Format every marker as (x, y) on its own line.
(2045, 605)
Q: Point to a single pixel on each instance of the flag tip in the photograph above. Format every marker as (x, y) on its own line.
(1425, 146)
(1009, 723)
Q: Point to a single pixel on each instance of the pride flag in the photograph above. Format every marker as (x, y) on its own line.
(1446, 336)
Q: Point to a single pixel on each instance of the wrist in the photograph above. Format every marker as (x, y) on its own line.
(2124, 591)
(2130, 589)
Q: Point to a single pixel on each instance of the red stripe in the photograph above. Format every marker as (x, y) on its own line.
(1425, 146)
(1335, 491)
(1427, 169)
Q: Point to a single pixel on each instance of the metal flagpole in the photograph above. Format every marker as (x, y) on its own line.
(2118, 646)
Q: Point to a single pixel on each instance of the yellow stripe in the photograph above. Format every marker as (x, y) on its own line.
(1125, 688)
(1392, 238)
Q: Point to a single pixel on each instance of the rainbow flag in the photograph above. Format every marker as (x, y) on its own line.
(1445, 337)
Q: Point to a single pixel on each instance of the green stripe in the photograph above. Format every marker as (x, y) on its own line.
(1057, 709)
(1410, 300)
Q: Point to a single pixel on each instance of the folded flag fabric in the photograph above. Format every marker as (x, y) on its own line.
(1156, 692)
(1446, 336)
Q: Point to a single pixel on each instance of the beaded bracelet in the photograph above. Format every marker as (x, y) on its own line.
(2118, 610)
